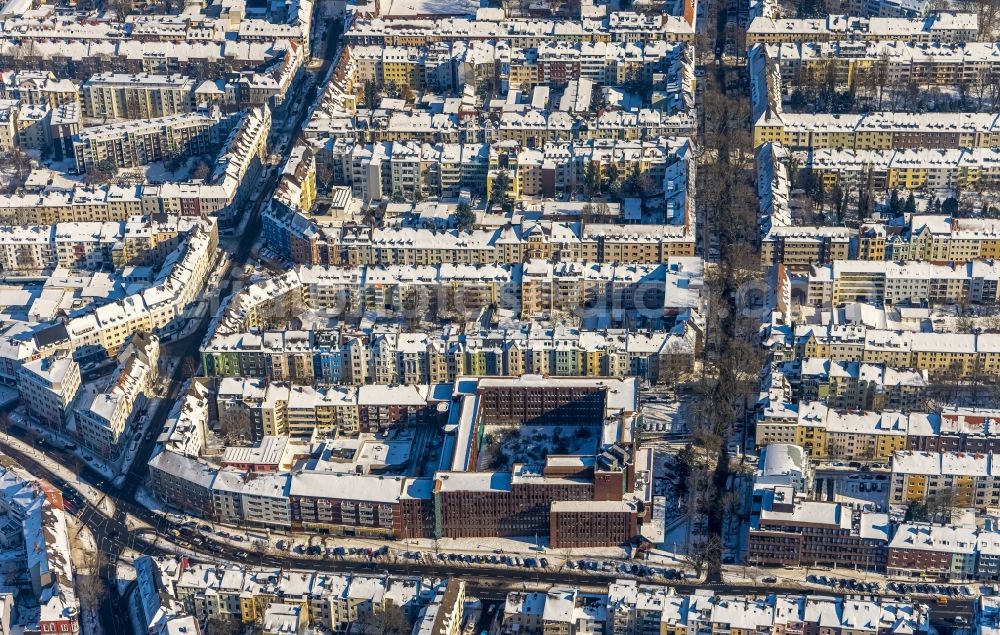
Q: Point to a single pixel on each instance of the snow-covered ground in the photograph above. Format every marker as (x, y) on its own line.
(296, 545)
(93, 495)
(57, 438)
(90, 622)
(83, 546)
(110, 471)
(125, 572)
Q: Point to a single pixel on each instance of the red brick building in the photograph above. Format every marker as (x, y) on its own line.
(592, 523)
(520, 502)
(797, 532)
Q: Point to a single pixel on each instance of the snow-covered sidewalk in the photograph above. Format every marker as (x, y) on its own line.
(83, 549)
(64, 443)
(93, 495)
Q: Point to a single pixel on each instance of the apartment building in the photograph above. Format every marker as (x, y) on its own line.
(41, 88)
(103, 415)
(877, 130)
(418, 358)
(850, 434)
(884, 8)
(773, 68)
(177, 591)
(157, 309)
(544, 288)
(943, 27)
(961, 355)
(947, 552)
(357, 246)
(651, 292)
(796, 248)
(618, 27)
(137, 96)
(850, 385)
(910, 169)
(633, 607)
(31, 248)
(235, 174)
(182, 481)
(826, 433)
(954, 430)
(27, 248)
(349, 504)
(79, 204)
(934, 237)
(48, 387)
(970, 480)
(341, 488)
(137, 143)
(910, 282)
(148, 240)
(79, 46)
(258, 409)
(37, 540)
(444, 65)
(900, 63)
(954, 552)
(791, 530)
(248, 498)
(558, 610)
(297, 186)
(551, 169)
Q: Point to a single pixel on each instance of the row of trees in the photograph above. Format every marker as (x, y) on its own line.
(732, 361)
(853, 207)
(823, 88)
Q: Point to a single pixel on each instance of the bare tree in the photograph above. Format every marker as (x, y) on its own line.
(120, 8)
(223, 624)
(388, 620)
(989, 14)
(703, 554)
(90, 587)
(941, 502)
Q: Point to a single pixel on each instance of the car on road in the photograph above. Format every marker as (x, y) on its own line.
(769, 579)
